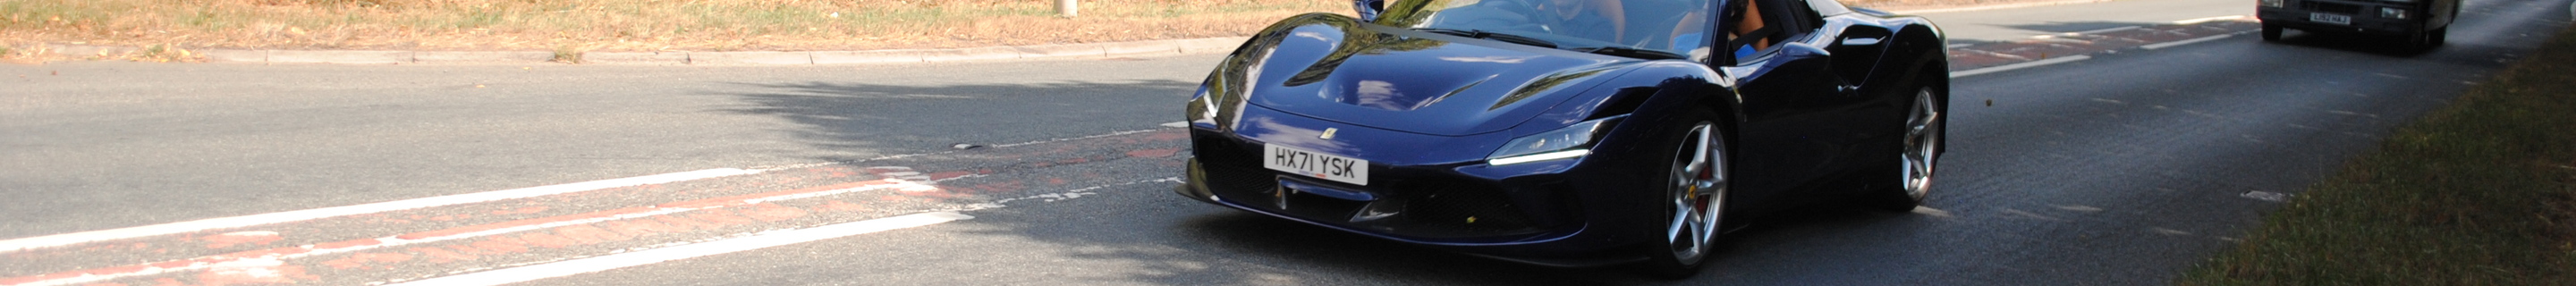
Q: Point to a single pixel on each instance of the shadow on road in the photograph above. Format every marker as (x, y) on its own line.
(2368, 44)
(848, 116)
(1183, 242)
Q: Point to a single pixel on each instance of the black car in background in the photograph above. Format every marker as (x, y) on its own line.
(2421, 23)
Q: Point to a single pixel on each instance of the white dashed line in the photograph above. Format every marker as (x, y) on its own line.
(1177, 124)
(2099, 31)
(1955, 46)
(2266, 196)
(1994, 69)
(21, 244)
(1995, 7)
(2206, 20)
(694, 250)
(2184, 42)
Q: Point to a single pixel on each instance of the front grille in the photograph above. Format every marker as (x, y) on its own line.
(1408, 202)
(1455, 210)
(2330, 7)
(1420, 209)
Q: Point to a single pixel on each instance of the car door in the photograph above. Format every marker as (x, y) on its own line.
(1798, 124)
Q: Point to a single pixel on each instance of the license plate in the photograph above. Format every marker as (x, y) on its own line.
(2330, 18)
(1315, 164)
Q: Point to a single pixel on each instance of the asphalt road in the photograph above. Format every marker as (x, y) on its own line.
(2001, 25)
(2121, 170)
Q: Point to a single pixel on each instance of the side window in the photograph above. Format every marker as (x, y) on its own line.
(1755, 28)
(1828, 7)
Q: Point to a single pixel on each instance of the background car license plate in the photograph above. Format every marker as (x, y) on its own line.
(1315, 164)
(2330, 18)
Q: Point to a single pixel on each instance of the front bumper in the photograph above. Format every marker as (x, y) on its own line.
(2364, 14)
(1531, 213)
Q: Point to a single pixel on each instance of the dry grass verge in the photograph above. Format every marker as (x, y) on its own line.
(574, 26)
(626, 24)
(2477, 193)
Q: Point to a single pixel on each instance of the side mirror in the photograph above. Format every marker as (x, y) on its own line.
(1369, 9)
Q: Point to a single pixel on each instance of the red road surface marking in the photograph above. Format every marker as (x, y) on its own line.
(262, 266)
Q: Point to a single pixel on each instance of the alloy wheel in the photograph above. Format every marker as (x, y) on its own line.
(1697, 193)
(1922, 143)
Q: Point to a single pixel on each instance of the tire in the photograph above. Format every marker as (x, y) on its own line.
(2271, 32)
(1918, 154)
(2424, 41)
(2440, 36)
(1695, 192)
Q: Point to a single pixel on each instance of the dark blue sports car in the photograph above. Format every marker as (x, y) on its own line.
(1571, 132)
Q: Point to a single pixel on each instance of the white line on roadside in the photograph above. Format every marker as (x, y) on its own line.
(1955, 46)
(1177, 124)
(2184, 42)
(310, 250)
(1996, 7)
(22, 244)
(2001, 68)
(2207, 19)
(659, 255)
(2099, 31)
(1075, 138)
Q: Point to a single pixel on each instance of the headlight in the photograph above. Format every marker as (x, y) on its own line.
(1201, 106)
(2392, 13)
(1569, 142)
(2274, 3)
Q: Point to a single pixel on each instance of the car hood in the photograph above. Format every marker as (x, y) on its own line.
(1338, 70)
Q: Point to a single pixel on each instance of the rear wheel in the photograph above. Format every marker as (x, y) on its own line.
(1694, 199)
(1921, 154)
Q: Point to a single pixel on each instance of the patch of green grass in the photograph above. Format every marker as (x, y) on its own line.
(2480, 192)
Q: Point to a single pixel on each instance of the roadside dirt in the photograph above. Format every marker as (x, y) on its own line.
(171, 31)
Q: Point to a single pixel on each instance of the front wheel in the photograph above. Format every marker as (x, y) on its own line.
(1693, 198)
(2271, 32)
(1920, 155)
(2425, 41)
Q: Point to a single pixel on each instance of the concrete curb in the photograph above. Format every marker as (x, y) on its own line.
(744, 58)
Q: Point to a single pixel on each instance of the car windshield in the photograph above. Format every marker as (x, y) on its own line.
(1635, 28)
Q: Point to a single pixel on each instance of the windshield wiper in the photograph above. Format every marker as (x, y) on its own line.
(1631, 52)
(1482, 34)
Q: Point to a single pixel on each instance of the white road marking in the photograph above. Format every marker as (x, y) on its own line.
(2266, 196)
(2207, 19)
(1177, 124)
(2099, 31)
(1955, 46)
(1996, 7)
(659, 255)
(1075, 138)
(310, 250)
(2184, 42)
(1994, 69)
(23, 244)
